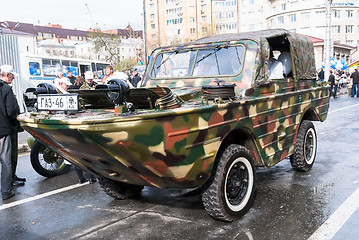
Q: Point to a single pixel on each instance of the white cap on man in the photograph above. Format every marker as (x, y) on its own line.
(65, 80)
(89, 75)
(8, 69)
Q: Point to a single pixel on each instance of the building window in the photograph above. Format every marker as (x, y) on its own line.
(251, 2)
(281, 20)
(292, 18)
(191, 8)
(349, 29)
(203, 7)
(284, 6)
(192, 20)
(336, 13)
(153, 26)
(152, 5)
(251, 27)
(335, 29)
(349, 13)
(152, 16)
(192, 30)
(204, 18)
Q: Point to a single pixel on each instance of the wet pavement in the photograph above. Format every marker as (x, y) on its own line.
(288, 205)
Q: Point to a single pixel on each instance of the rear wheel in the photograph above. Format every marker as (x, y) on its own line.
(231, 191)
(305, 147)
(119, 190)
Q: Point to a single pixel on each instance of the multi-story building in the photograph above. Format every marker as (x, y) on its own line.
(307, 17)
(53, 40)
(175, 21)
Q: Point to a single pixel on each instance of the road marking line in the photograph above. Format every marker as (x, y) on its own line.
(333, 224)
(25, 154)
(37, 197)
(344, 108)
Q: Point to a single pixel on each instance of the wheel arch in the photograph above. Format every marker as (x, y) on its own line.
(244, 137)
(310, 115)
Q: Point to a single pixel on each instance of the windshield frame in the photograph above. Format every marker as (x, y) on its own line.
(193, 61)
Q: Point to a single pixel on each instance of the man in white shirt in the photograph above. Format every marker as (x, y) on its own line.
(275, 68)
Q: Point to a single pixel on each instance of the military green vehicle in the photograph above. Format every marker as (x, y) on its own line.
(206, 115)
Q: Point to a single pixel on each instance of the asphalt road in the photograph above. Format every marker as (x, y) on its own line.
(321, 204)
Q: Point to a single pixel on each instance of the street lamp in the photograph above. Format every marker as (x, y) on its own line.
(6, 25)
(327, 39)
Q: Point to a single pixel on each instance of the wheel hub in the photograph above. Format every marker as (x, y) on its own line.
(237, 183)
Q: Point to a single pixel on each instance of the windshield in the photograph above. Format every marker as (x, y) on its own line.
(202, 62)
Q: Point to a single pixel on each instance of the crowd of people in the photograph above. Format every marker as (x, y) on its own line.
(87, 81)
(339, 79)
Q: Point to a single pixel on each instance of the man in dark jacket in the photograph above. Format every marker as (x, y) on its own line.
(8, 112)
(136, 78)
(71, 77)
(355, 87)
(7, 76)
(321, 75)
(333, 86)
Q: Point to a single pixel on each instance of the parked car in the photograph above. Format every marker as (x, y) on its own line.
(205, 117)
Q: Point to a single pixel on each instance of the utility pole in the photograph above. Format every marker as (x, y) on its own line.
(144, 31)
(327, 40)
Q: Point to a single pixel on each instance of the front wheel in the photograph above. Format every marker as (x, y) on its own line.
(232, 188)
(305, 147)
(46, 162)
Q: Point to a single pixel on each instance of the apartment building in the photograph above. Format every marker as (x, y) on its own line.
(308, 17)
(175, 21)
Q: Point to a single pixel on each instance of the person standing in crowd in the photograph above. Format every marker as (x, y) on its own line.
(321, 75)
(9, 110)
(136, 78)
(109, 74)
(78, 82)
(71, 77)
(59, 76)
(333, 85)
(8, 76)
(63, 85)
(355, 85)
(89, 81)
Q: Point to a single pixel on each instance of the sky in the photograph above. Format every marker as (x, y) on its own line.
(109, 14)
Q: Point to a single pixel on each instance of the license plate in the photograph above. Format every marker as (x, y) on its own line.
(57, 102)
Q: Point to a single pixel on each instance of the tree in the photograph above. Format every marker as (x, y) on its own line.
(107, 44)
